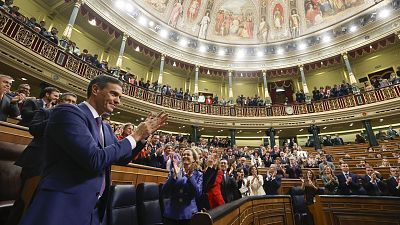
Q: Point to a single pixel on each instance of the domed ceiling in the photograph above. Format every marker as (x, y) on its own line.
(251, 21)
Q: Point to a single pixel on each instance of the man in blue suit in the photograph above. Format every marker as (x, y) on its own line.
(348, 182)
(80, 149)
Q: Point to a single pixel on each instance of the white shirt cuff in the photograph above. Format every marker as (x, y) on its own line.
(132, 141)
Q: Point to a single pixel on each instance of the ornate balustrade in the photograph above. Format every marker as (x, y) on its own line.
(33, 41)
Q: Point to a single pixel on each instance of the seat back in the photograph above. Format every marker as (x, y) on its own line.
(148, 203)
(122, 209)
(298, 201)
(163, 201)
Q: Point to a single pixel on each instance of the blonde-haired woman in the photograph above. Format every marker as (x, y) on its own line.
(183, 186)
(331, 182)
(255, 182)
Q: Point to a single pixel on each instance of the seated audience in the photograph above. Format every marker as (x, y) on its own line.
(385, 163)
(293, 170)
(392, 133)
(360, 139)
(7, 107)
(331, 182)
(255, 182)
(381, 135)
(183, 186)
(127, 130)
(338, 140)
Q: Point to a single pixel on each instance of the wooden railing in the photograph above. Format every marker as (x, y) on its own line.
(249, 210)
(33, 41)
(350, 210)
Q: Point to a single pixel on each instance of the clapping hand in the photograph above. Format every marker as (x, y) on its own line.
(150, 125)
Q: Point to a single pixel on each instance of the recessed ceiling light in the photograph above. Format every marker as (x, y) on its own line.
(163, 33)
(384, 13)
(324, 128)
(137, 49)
(23, 78)
(221, 52)
(353, 28)
(174, 64)
(351, 124)
(120, 4)
(183, 126)
(151, 23)
(302, 46)
(128, 7)
(202, 48)
(208, 72)
(260, 53)
(279, 51)
(142, 20)
(301, 129)
(381, 120)
(326, 38)
(93, 22)
(183, 42)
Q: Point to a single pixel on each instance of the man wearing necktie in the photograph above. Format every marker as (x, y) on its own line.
(393, 183)
(372, 184)
(80, 150)
(348, 182)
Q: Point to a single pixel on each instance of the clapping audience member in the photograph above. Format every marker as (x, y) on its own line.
(331, 182)
(325, 163)
(127, 130)
(310, 187)
(241, 183)
(47, 99)
(229, 189)
(256, 159)
(183, 186)
(272, 181)
(348, 182)
(393, 183)
(212, 196)
(19, 96)
(293, 170)
(255, 182)
(372, 184)
(7, 107)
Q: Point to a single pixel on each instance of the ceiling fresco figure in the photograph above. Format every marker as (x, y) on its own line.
(159, 5)
(193, 10)
(176, 13)
(204, 23)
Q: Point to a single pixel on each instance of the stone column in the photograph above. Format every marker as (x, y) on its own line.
(194, 136)
(370, 133)
(233, 137)
(271, 133)
(160, 77)
(266, 92)
(122, 50)
(230, 85)
(352, 78)
(304, 83)
(196, 80)
(68, 30)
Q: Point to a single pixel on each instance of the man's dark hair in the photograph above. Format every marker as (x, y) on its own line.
(48, 90)
(63, 95)
(101, 81)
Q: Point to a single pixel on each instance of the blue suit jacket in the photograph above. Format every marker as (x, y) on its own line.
(75, 165)
(183, 193)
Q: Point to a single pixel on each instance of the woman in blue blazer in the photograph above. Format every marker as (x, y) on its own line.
(183, 186)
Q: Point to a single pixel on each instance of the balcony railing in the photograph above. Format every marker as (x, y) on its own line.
(29, 39)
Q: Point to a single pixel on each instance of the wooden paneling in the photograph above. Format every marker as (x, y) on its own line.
(348, 210)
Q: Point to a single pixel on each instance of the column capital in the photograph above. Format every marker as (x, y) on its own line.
(344, 55)
(163, 56)
(301, 67)
(264, 72)
(398, 34)
(79, 3)
(197, 67)
(125, 36)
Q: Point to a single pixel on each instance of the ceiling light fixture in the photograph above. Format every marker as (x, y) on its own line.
(202, 48)
(260, 53)
(137, 49)
(151, 23)
(353, 28)
(302, 46)
(163, 33)
(221, 52)
(208, 72)
(142, 20)
(183, 42)
(279, 51)
(326, 38)
(24, 79)
(174, 64)
(384, 13)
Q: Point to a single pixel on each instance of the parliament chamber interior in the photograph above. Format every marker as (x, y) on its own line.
(201, 112)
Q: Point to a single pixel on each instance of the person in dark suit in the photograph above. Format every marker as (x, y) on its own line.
(338, 140)
(229, 189)
(79, 151)
(7, 107)
(32, 160)
(372, 183)
(393, 183)
(293, 169)
(272, 181)
(348, 182)
(48, 98)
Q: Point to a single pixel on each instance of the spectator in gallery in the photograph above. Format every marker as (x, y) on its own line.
(385, 163)
(381, 135)
(360, 139)
(7, 108)
(362, 164)
(52, 35)
(392, 133)
(331, 182)
(338, 140)
(209, 100)
(327, 141)
(368, 87)
(127, 130)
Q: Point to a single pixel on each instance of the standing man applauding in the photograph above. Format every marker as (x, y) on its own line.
(80, 149)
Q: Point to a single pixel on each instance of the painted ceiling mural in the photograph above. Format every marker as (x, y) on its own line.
(251, 21)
